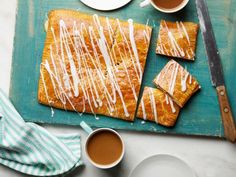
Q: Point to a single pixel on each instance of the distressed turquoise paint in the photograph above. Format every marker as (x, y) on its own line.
(200, 116)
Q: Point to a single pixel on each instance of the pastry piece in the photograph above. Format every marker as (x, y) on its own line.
(177, 82)
(157, 106)
(93, 64)
(177, 39)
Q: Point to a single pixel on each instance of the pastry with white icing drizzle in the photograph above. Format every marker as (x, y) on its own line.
(93, 64)
(177, 39)
(177, 82)
(156, 106)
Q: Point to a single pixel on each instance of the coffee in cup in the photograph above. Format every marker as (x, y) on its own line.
(104, 148)
(166, 6)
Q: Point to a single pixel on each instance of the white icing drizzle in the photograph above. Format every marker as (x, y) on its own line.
(111, 75)
(77, 34)
(70, 57)
(128, 75)
(179, 29)
(129, 80)
(143, 110)
(75, 76)
(98, 69)
(66, 79)
(45, 88)
(96, 21)
(188, 54)
(52, 112)
(192, 51)
(55, 41)
(133, 45)
(145, 35)
(110, 30)
(153, 104)
(98, 24)
(129, 49)
(170, 101)
(176, 50)
(47, 67)
(172, 105)
(161, 48)
(55, 71)
(65, 74)
(167, 99)
(46, 93)
(185, 32)
(90, 80)
(190, 79)
(146, 32)
(92, 38)
(147, 23)
(173, 78)
(184, 77)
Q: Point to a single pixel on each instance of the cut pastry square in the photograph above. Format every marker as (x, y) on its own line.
(177, 82)
(177, 39)
(157, 106)
(86, 68)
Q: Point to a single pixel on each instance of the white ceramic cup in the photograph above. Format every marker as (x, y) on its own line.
(93, 132)
(178, 8)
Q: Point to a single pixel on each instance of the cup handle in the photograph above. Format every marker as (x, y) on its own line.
(86, 127)
(145, 3)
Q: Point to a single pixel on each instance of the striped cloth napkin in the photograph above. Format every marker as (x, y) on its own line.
(31, 149)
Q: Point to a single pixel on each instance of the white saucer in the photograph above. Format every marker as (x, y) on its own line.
(162, 166)
(105, 5)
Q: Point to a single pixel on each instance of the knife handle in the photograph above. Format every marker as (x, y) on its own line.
(226, 114)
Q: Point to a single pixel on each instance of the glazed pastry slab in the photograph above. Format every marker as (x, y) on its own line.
(86, 68)
(200, 116)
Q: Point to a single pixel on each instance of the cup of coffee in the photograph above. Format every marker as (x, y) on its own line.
(104, 147)
(166, 6)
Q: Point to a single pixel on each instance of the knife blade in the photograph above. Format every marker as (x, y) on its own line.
(216, 70)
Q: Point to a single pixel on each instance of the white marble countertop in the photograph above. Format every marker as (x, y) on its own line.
(208, 157)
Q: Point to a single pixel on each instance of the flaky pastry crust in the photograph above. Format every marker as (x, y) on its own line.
(177, 82)
(177, 39)
(157, 106)
(93, 64)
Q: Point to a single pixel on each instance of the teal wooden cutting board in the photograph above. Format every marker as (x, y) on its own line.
(201, 116)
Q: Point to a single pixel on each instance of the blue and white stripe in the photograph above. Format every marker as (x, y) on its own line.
(31, 149)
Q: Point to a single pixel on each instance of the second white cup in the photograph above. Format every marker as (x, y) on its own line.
(104, 147)
(171, 10)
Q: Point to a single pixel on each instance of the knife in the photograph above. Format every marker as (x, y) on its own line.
(216, 70)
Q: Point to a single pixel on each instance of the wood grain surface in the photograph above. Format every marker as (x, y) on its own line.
(226, 114)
